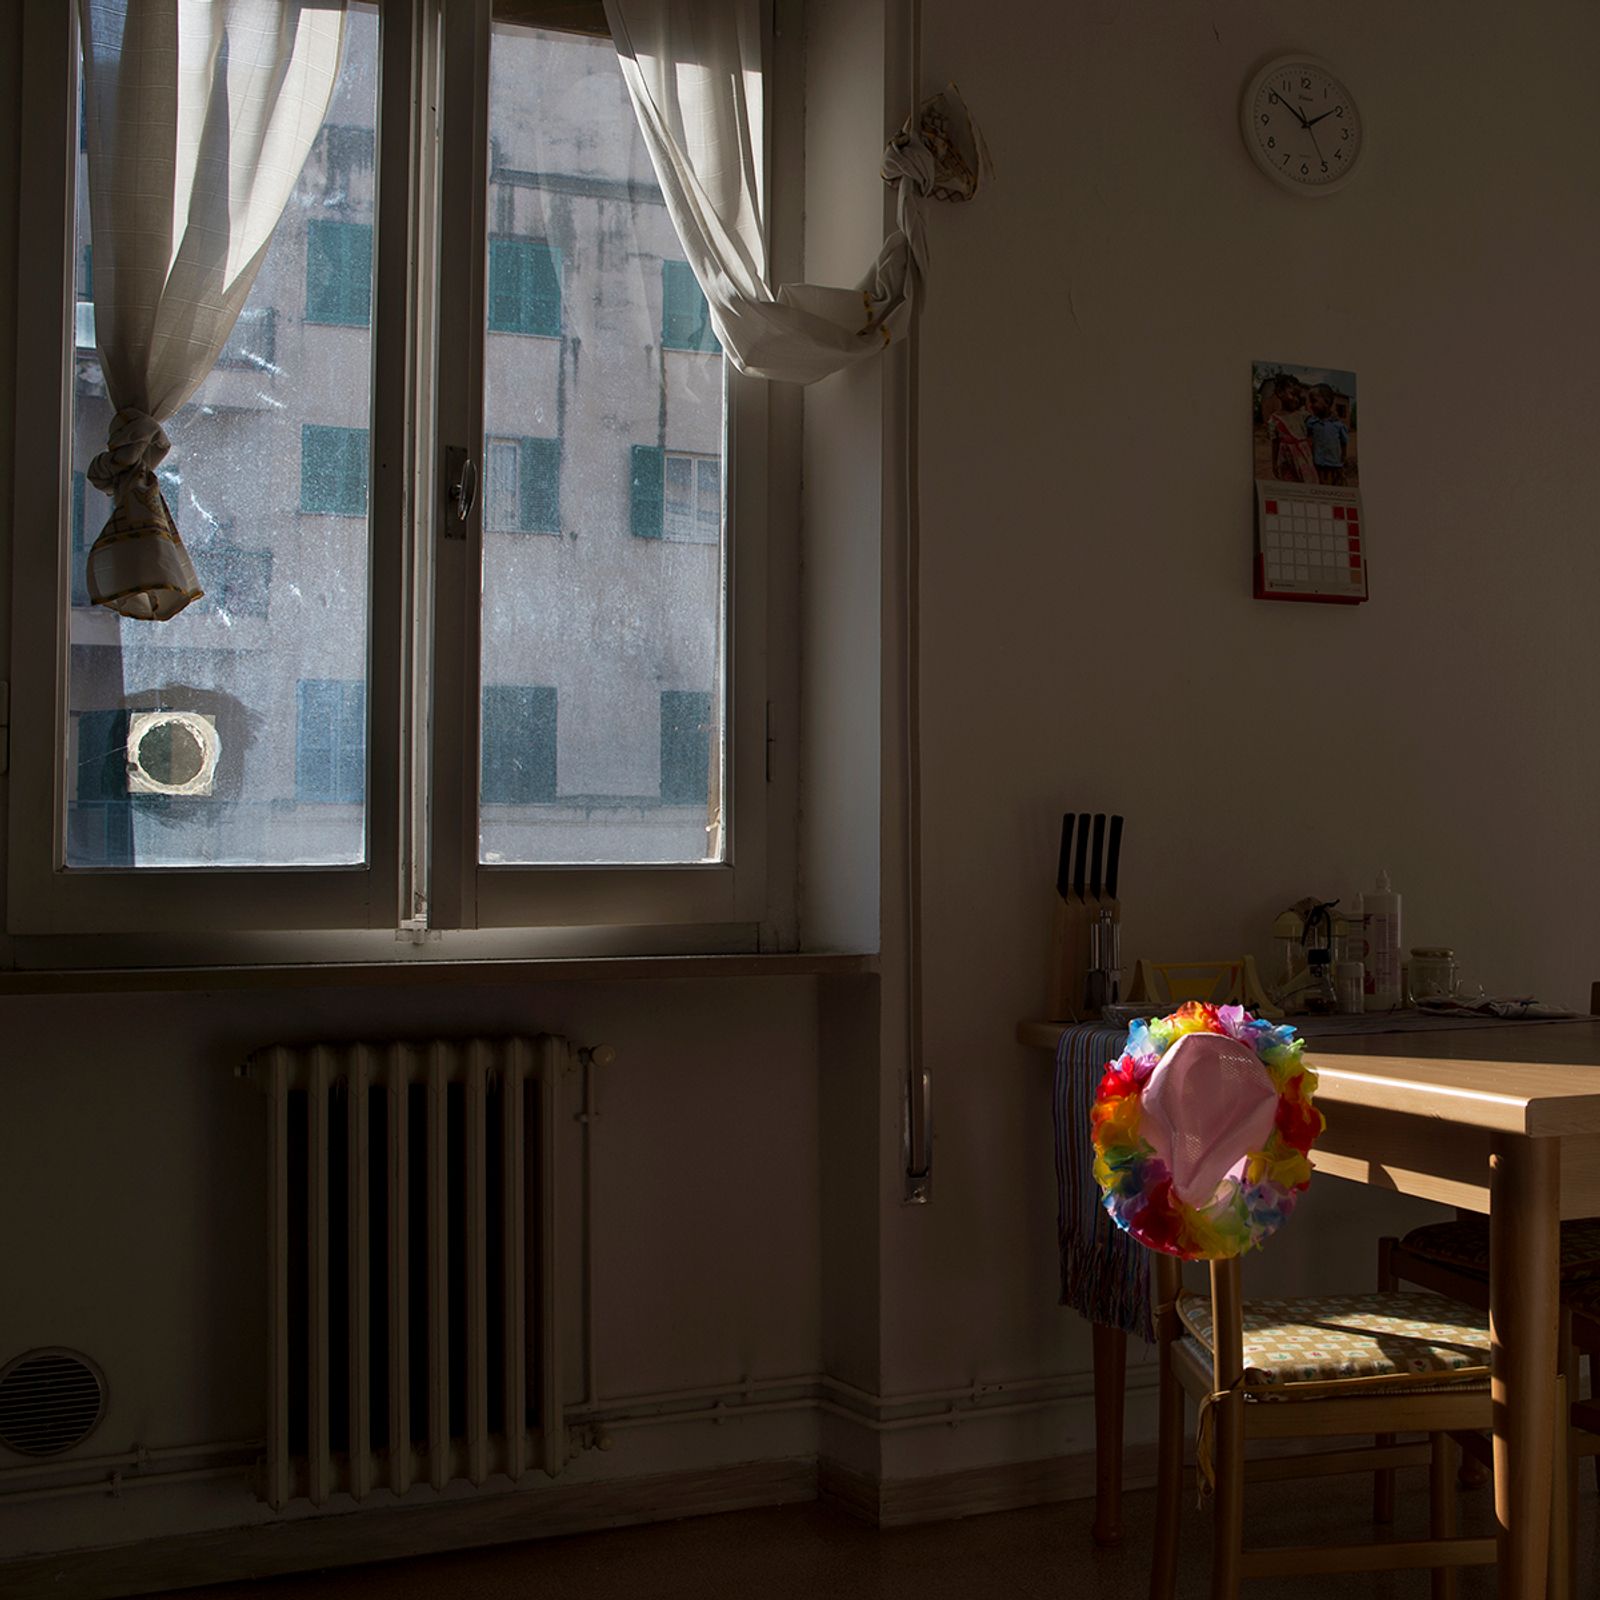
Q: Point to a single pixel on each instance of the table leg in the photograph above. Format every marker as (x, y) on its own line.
(1110, 1383)
(1524, 1312)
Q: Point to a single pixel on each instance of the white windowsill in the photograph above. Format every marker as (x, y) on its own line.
(430, 972)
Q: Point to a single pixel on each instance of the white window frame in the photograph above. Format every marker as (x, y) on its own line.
(697, 461)
(423, 892)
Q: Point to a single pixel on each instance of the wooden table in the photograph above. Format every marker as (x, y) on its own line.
(1505, 1120)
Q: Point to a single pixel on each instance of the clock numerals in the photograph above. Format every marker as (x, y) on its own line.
(1281, 114)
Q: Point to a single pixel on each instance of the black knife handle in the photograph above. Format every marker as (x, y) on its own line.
(1113, 858)
(1080, 864)
(1064, 860)
(1097, 854)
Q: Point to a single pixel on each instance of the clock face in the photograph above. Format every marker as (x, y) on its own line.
(1301, 125)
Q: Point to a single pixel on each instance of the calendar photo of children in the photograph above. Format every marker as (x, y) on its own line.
(1305, 424)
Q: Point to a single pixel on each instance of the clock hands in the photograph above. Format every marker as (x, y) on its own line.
(1284, 100)
(1315, 120)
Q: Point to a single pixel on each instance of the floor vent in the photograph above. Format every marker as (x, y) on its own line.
(50, 1400)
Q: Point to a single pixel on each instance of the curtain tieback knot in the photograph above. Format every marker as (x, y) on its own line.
(137, 445)
(138, 566)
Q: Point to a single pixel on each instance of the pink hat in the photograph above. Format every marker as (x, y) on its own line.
(1208, 1104)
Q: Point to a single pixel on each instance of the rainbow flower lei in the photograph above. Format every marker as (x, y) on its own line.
(1137, 1184)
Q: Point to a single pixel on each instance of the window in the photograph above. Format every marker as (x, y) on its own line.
(330, 752)
(524, 287)
(519, 744)
(685, 316)
(692, 502)
(685, 746)
(523, 490)
(674, 495)
(339, 272)
(254, 341)
(333, 470)
(470, 734)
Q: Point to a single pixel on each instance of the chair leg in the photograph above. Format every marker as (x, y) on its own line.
(1228, 1510)
(1563, 1503)
(1169, 1482)
(1110, 1387)
(1227, 1421)
(1592, 1348)
(1442, 1508)
(1383, 1478)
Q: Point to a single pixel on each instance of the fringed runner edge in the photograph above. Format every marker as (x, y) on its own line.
(1105, 1274)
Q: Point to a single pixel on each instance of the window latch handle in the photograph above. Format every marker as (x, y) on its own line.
(461, 473)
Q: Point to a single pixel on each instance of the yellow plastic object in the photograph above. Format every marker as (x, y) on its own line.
(1235, 982)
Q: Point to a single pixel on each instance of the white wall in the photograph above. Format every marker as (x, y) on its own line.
(1089, 637)
(1089, 641)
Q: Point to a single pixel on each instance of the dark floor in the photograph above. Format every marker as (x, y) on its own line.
(807, 1551)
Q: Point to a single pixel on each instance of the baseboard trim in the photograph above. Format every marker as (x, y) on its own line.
(901, 1502)
(352, 1538)
(390, 1532)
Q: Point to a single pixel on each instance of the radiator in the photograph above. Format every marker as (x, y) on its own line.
(412, 1264)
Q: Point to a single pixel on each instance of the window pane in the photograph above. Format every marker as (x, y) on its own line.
(618, 417)
(268, 481)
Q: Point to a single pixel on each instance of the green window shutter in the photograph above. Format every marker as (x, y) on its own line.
(330, 755)
(505, 287)
(77, 571)
(519, 744)
(685, 316)
(524, 287)
(540, 499)
(100, 821)
(544, 290)
(350, 752)
(685, 746)
(647, 491)
(102, 756)
(333, 470)
(339, 272)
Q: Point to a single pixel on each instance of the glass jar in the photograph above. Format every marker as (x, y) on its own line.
(1433, 972)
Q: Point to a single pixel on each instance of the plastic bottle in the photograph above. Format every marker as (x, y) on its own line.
(1381, 908)
(1349, 978)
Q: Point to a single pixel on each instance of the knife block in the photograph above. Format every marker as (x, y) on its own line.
(1069, 955)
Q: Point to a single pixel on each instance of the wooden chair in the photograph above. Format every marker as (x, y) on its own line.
(1452, 1258)
(1580, 1331)
(1280, 1370)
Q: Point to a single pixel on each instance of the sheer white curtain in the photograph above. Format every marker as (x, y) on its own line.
(199, 116)
(693, 70)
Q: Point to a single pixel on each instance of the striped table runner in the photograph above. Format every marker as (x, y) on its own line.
(1104, 1274)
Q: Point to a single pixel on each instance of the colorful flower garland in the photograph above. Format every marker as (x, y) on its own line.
(1137, 1183)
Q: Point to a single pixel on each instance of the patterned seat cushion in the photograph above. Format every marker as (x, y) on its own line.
(1464, 1245)
(1421, 1339)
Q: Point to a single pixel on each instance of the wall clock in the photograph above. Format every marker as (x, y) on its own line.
(1301, 124)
